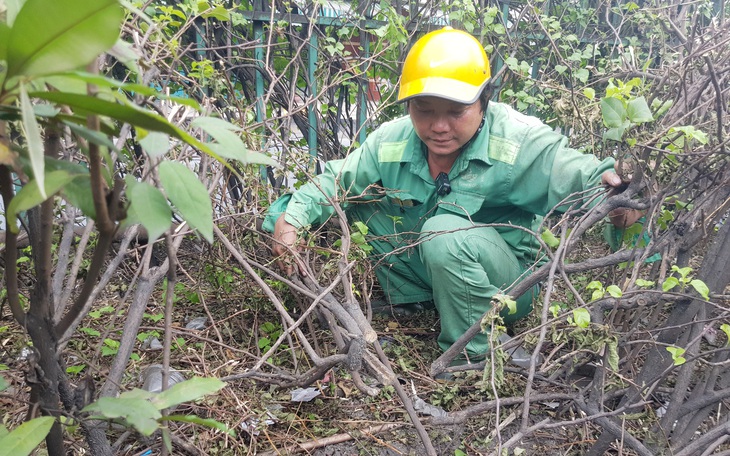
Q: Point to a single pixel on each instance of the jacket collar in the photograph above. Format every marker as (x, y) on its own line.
(477, 149)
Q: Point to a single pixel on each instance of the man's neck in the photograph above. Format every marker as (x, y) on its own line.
(440, 163)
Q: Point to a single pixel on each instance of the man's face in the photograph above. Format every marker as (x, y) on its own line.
(444, 125)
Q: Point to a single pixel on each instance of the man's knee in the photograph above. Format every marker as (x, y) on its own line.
(449, 235)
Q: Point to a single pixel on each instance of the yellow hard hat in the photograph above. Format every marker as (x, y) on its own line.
(446, 63)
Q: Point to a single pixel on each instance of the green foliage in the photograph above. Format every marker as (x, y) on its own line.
(549, 238)
(643, 283)
(55, 36)
(614, 291)
(581, 318)
(31, 195)
(141, 410)
(228, 143)
(677, 353)
(110, 347)
(22, 440)
(189, 196)
(682, 279)
(597, 288)
(622, 110)
(445, 395)
(149, 207)
(269, 333)
(505, 301)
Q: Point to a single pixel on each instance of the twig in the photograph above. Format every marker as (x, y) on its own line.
(333, 439)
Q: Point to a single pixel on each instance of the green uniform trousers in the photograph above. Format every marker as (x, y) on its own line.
(466, 264)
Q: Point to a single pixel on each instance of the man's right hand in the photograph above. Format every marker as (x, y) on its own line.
(286, 240)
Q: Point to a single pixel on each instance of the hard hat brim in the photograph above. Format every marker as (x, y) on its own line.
(449, 89)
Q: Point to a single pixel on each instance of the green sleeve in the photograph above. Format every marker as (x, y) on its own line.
(340, 179)
(547, 171)
(275, 210)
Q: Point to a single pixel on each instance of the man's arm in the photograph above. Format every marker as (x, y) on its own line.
(286, 238)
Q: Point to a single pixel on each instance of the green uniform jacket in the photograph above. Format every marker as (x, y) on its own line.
(514, 171)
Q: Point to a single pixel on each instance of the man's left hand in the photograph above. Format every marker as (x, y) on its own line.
(622, 217)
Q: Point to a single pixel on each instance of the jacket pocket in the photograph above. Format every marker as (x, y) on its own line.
(462, 204)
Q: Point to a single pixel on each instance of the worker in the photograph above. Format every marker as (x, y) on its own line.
(450, 191)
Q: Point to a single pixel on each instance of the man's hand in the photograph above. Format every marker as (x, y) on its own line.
(286, 240)
(621, 217)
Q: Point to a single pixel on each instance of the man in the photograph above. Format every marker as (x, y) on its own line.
(426, 184)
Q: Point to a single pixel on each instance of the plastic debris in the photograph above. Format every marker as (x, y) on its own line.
(710, 335)
(427, 409)
(151, 343)
(304, 394)
(197, 323)
(151, 378)
(25, 353)
(517, 355)
(254, 425)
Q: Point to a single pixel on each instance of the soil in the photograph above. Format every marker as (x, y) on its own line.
(240, 325)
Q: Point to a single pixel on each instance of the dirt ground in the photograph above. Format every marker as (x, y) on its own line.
(239, 325)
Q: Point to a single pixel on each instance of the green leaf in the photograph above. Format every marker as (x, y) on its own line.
(22, 440)
(614, 291)
(701, 288)
(3, 383)
(109, 83)
(214, 125)
(691, 133)
(155, 143)
(138, 412)
(131, 114)
(581, 317)
(34, 139)
(208, 422)
(358, 238)
(582, 75)
(614, 134)
(555, 310)
(73, 370)
(78, 194)
(149, 207)
(677, 353)
(670, 283)
(560, 68)
(125, 113)
(612, 354)
(219, 13)
(30, 196)
(549, 239)
(188, 390)
(507, 302)
(55, 36)
(361, 227)
(644, 283)
(589, 93)
(613, 112)
(189, 196)
(638, 111)
(228, 144)
(685, 271)
(137, 393)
